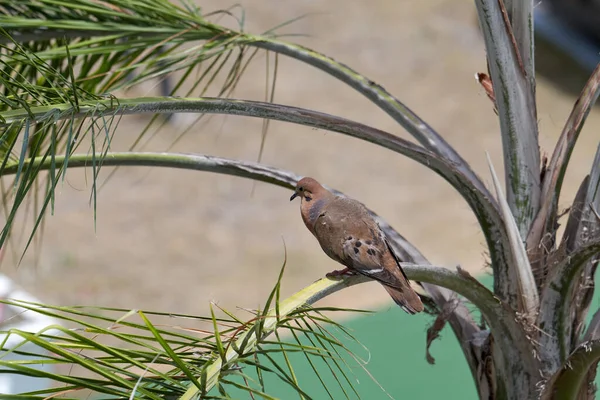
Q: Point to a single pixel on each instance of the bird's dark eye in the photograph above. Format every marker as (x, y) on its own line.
(301, 189)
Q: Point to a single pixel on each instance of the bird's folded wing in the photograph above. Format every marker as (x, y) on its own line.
(349, 235)
(372, 259)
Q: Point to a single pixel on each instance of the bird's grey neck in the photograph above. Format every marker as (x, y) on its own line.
(315, 209)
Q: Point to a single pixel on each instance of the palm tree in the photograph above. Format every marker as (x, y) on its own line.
(63, 67)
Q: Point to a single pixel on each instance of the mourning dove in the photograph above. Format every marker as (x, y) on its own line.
(348, 234)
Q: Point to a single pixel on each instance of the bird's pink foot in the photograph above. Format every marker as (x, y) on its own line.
(340, 272)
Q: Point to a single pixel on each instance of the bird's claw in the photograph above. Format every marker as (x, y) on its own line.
(340, 273)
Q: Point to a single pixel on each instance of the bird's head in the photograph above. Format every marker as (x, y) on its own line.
(307, 188)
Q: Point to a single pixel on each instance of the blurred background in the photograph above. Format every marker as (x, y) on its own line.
(172, 241)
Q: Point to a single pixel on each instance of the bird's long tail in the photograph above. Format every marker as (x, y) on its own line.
(401, 292)
(405, 298)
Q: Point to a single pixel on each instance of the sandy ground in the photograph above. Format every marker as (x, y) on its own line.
(172, 241)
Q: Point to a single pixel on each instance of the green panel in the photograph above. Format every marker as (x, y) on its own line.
(397, 344)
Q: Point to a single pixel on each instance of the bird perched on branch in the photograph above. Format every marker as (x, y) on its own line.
(348, 234)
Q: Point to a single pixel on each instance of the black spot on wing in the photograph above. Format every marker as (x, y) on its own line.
(371, 252)
(358, 243)
(356, 250)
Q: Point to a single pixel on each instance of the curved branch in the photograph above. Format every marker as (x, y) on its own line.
(245, 170)
(203, 30)
(566, 143)
(551, 186)
(410, 121)
(555, 303)
(321, 289)
(459, 284)
(483, 205)
(508, 333)
(566, 383)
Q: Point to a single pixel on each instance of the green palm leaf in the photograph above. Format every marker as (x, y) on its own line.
(121, 353)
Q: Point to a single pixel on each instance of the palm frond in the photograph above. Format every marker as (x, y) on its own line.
(515, 101)
(544, 225)
(153, 355)
(528, 293)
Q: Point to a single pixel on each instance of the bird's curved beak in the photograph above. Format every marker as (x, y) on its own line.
(294, 196)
